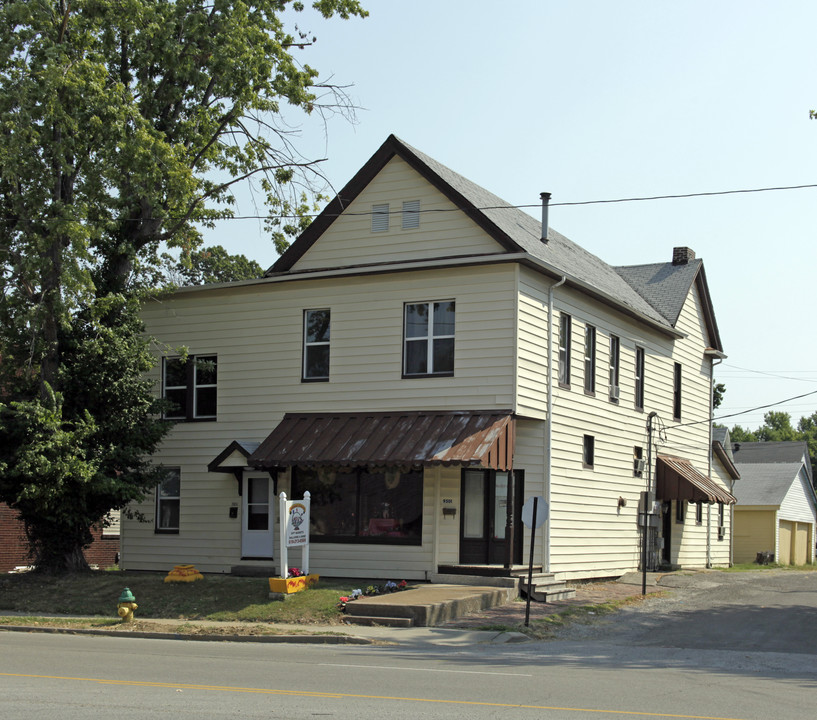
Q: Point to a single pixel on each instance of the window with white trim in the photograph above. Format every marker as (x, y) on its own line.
(428, 345)
(565, 328)
(411, 214)
(168, 502)
(380, 217)
(190, 385)
(316, 345)
(589, 359)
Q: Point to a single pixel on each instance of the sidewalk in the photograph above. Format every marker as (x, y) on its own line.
(464, 631)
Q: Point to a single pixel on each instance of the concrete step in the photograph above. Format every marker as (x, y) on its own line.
(403, 622)
(545, 588)
(430, 605)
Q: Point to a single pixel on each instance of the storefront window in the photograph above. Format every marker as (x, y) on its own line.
(364, 506)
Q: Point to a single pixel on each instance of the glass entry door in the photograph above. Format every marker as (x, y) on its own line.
(485, 495)
(257, 524)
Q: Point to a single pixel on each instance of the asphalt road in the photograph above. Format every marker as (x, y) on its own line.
(703, 652)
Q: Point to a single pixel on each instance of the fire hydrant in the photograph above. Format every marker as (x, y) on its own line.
(127, 604)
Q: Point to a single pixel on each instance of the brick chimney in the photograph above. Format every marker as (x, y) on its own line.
(682, 255)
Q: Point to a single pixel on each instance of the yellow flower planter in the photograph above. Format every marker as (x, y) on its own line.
(293, 584)
(184, 573)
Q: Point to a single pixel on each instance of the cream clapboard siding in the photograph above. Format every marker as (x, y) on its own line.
(720, 548)
(256, 332)
(350, 240)
(799, 506)
(591, 535)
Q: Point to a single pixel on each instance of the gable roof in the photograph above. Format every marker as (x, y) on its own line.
(768, 469)
(515, 231)
(765, 483)
(769, 452)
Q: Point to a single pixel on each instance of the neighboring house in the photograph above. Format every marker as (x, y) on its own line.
(776, 510)
(103, 552)
(423, 361)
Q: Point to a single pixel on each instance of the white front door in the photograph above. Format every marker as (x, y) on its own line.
(257, 516)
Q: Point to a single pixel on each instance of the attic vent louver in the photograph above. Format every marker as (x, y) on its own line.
(411, 214)
(380, 217)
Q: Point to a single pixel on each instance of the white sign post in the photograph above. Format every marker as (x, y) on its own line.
(294, 525)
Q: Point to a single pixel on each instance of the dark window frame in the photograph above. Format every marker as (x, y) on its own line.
(638, 457)
(589, 452)
(590, 359)
(306, 346)
(699, 513)
(161, 500)
(640, 371)
(191, 387)
(614, 368)
(565, 348)
(430, 338)
(676, 392)
(680, 511)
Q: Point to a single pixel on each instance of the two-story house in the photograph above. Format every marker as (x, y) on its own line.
(422, 360)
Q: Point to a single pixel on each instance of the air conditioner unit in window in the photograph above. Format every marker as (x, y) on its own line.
(721, 532)
(640, 464)
(614, 392)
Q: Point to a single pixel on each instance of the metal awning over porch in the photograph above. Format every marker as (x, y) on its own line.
(390, 439)
(677, 479)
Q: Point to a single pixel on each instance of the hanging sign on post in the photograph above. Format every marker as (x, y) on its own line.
(294, 522)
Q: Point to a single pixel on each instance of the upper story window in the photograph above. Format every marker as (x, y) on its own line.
(316, 345)
(615, 353)
(639, 378)
(676, 392)
(590, 359)
(190, 384)
(380, 217)
(411, 214)
(428, 347)
(168, 499)
(565, 328)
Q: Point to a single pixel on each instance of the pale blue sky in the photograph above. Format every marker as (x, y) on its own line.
(594, 100)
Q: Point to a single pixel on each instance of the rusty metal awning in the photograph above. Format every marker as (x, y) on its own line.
(390, 439)
(677, 479)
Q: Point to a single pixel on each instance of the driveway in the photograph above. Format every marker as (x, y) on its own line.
(768, 610)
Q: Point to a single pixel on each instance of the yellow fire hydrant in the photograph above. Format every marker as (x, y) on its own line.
(127, 604)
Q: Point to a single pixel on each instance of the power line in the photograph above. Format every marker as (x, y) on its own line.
(426, 211)
(745, 412)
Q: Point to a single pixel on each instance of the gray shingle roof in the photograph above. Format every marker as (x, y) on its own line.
(654, 293)
(768, 452)
(664, 285)
(765, 483)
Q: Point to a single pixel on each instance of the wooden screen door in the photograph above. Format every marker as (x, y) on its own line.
(483, 525)
(257, 525)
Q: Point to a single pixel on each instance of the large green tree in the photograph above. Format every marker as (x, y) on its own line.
(124, 126)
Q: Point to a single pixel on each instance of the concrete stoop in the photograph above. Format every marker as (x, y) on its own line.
(545, 588)
(426, 606)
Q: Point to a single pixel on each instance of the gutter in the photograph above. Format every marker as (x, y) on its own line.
(463, 261)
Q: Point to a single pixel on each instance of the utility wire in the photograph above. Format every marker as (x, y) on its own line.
(744, 412)
(487, 207)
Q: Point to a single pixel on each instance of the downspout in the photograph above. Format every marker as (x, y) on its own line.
(549, 420)
(715, 361)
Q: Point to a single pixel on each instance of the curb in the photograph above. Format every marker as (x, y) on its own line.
(309, 639)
